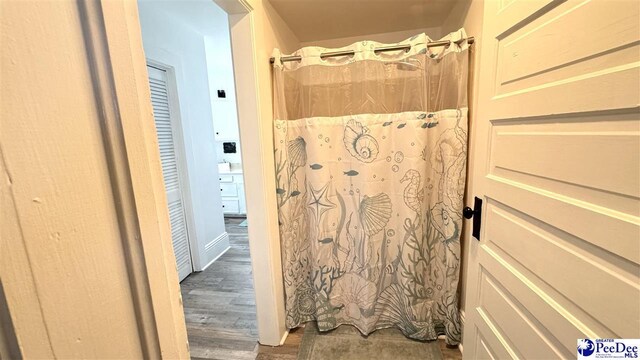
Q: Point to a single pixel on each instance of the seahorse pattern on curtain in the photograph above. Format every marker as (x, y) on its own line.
(370, 155)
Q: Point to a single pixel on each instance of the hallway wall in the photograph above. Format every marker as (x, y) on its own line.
(168, 39)
(220, 67)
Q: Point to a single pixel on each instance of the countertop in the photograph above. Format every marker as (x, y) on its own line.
(236, 169)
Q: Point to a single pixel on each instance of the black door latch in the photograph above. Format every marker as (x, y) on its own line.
(476, 214)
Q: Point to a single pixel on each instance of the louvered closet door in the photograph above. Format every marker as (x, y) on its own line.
(557, 146)
(170, 169)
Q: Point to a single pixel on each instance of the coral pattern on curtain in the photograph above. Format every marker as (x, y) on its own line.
(370, 155)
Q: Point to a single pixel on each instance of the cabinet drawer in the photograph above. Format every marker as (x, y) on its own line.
(226, 178)
(230, 206)
(228, 189)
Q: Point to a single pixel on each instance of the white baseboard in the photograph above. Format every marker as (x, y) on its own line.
(462, 328)
(216, 258)
(221, 238)
(284, 337)
(216, 248)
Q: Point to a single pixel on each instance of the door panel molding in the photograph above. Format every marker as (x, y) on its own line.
(556, 315)
(528, 243)
(573, 216)
(557, 138)
(518, 325)
(498, 344)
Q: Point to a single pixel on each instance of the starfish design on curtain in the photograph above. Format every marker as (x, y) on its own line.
(320, 201)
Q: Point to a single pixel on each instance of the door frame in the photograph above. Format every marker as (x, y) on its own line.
(114, 48)
(161, 62)
(252, 77)
(115, 44)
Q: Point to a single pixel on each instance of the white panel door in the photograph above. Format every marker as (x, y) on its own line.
(558, 150)
(162, 112)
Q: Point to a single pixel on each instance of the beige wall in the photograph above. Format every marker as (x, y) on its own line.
(276, 34)
(468, 14)
(387, 38)
(72, 263)
(270, 32)
(465, 13)
(60, 233)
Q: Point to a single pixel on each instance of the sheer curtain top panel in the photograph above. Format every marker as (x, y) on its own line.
(421, 78)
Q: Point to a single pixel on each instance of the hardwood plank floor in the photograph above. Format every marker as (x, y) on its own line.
(219, 303)
(220, 309)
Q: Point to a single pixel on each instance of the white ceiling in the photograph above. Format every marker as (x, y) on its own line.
(313, 20)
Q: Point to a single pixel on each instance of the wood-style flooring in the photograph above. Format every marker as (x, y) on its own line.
(220, 309)
(219, 303)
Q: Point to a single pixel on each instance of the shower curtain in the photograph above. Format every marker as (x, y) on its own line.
(370, 153)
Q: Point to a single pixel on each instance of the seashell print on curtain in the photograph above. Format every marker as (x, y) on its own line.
(370, 155)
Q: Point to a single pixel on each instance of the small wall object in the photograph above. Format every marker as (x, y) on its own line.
(229, 147)
(222, 94)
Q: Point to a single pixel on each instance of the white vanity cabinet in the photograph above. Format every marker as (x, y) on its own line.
(232, 192)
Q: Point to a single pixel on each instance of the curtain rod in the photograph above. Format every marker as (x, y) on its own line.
(406, 47)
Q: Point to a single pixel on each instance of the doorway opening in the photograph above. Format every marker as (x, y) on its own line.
(189, 63)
